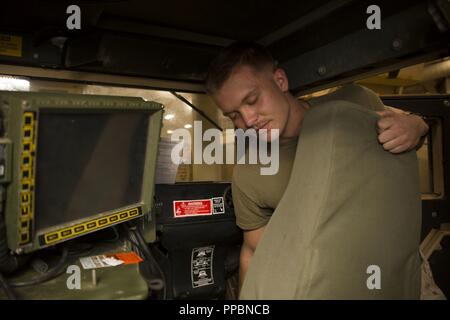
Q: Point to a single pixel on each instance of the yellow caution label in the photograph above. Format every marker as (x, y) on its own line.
(26, 177)
(89, 226)
(10, 45)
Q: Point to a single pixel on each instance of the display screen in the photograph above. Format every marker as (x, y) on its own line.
(88, 164)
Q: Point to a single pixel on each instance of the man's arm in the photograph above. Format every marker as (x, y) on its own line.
(400, 131)
(251, 239)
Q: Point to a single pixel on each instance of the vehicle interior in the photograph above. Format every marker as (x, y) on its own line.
(150, 58)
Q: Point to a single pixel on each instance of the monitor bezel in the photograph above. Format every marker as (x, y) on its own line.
(15, 105)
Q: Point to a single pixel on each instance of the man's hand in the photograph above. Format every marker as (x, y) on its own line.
(399, 132)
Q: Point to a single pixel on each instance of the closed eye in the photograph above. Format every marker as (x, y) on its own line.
(252, 101)
(233, 115)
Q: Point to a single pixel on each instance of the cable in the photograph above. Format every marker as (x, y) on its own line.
(158, 282)
(153, 280)
(9, 292)
(147, 252)
(155, 284)
(49, 275)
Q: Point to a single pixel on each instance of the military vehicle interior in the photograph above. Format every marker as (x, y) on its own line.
(156, 53)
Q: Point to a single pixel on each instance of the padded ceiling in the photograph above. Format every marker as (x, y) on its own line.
(232, 19)
(176, 39)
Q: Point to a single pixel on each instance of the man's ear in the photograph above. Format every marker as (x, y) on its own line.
(280, 78)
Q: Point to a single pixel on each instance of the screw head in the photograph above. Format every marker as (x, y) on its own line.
(397, 44)
(322, 70)
(25, 104)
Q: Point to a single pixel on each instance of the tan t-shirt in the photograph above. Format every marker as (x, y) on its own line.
(256, 196)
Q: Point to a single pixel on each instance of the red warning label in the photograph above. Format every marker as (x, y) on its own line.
(189, 208)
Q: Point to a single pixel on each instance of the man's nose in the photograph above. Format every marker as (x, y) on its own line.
(249, 116)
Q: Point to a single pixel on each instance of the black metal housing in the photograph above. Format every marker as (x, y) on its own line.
(178, 238)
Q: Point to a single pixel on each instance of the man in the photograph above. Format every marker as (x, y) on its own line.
(253, 92)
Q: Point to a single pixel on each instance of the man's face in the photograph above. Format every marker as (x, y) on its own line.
(255, 99)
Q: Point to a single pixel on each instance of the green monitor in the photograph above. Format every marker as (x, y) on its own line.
(74, 164)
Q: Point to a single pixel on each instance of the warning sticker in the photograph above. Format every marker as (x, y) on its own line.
(110, 260)
(218, 205)
(10, 45)
(201, 266)
(128, 257)
(102, 261)
(189, 208)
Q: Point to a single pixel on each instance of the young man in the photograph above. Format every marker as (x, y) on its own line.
(253, 92)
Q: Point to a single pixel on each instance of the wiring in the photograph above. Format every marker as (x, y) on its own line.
(9, 292)
(157, 281)
(54, 272)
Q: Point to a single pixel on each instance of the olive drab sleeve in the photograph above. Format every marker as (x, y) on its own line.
(348, 225)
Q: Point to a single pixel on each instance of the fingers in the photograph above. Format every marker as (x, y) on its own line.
(386, 136)
(385, 122)
(385, 113)
(399, 149)
(398, 145)
(399, 132)
(392, 144)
